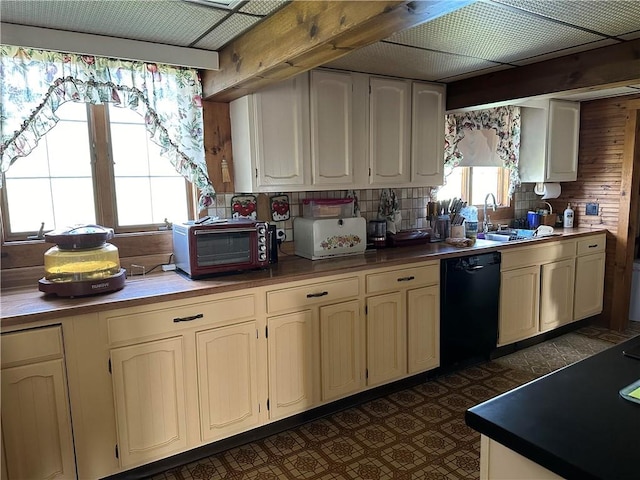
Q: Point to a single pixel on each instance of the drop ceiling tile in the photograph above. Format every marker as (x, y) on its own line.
(229, 29)
(608, 17)
(171, 22)
(384, 58)
(566, 51)
(475, 73)
(263, 7)
(631, 36)
(490, 32)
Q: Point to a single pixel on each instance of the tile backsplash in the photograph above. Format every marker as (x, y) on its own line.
(412, 203)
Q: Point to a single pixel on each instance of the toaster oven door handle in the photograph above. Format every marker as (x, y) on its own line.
(224, 230)
(188, 319)
(314, 295)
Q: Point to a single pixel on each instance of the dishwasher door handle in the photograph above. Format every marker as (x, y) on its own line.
(474, 268)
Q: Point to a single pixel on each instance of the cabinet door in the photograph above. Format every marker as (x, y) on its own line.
(36, 425)
(331, 123)
(519, 304)
(562, 141)
(282, 140)
(423, 328)
(389, 134)
(340, 330)
(427, 134)
(292, 369)
(227, 380)
(149, 386)
(589, 285)
(556, 294)
(386, 338)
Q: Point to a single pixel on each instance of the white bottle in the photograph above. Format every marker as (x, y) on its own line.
(568, 217)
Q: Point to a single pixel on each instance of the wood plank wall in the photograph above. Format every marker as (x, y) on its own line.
(600, 161)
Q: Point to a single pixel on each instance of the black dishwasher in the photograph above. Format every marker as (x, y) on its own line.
(469, 303)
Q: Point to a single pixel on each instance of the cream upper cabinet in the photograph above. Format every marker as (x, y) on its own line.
(149, 390)
(270, 138)
(227, 380)
(423, 329)
(427, 125)
(390, 131)
(556, 294)
(549, 141)
(340, 349)
(519, 304)
(292, 378)
(332, 152)
(36, 422)
(589, 285)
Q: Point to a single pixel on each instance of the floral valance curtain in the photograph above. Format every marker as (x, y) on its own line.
(36, 82)
(504, 120)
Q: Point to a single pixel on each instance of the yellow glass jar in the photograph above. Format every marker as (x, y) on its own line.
(61, 265)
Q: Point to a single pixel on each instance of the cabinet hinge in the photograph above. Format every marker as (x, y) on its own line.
(257, 333)
(117, 453)
(256, 173)
(369, 171)
(268, 405)
(366, 373)
(109, 365)
(266, 331)
(366, 310)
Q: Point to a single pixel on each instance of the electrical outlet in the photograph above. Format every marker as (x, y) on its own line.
(281, 235)
(591, 209)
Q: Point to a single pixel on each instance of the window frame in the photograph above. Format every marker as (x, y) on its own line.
(104, 190)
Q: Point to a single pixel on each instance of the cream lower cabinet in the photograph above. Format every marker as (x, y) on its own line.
(556, 294)
(149, 385)
(589, 285)
(410, 304)
(183, 375)
(314, 343)
(519, 304)
(292, 366)
(36, 422)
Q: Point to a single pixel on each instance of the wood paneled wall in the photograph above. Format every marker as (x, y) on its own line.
(600, 171)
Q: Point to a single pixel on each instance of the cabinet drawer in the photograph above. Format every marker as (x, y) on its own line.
(538, 254)
(33, 345)
(313, 293)
(404, 277)
(217, 312)
(594, 244)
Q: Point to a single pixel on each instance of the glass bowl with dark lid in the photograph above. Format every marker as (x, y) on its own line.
(79, 237)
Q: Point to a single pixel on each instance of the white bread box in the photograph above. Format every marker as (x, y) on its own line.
(317, 238)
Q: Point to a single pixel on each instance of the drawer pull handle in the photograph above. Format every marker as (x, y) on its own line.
(188, 319)
(406, 279)
(314, 295)
(593, 246)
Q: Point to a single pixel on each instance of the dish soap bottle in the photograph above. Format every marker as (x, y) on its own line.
(568, 217)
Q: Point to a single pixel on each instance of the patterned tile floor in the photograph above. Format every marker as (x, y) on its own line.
(418, 433)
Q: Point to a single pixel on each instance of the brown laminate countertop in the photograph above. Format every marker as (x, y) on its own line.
(25, 305)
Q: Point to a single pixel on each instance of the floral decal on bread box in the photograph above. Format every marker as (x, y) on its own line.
(341, 241)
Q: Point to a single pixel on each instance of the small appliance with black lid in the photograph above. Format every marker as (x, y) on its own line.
(82, 262)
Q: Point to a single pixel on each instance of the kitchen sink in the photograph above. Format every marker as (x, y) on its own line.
(512, 234)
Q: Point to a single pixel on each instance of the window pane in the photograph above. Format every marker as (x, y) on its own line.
(484, 180)
(148, 188)
(29, 204)
(73, 201)
(168, 199)
(54, 183)
(133, 201)
(453, 187)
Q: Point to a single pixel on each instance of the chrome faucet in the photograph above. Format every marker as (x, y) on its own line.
(485, 220)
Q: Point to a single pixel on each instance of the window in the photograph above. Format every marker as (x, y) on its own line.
(97, 165)
(474, 183)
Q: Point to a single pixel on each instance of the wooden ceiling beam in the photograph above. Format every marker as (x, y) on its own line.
(613, 65)
(306, 34)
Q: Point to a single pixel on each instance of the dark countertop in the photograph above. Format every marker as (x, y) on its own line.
(573, 421)
(24, 305)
